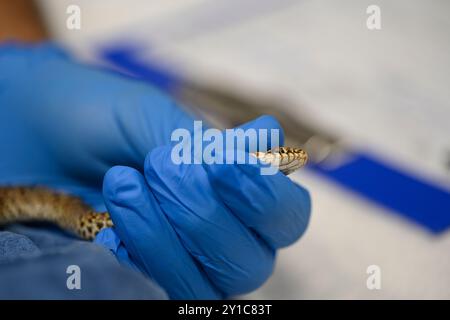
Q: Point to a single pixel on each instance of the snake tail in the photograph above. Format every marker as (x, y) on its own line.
(24, 203)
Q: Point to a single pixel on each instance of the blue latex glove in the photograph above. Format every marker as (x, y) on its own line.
(64, 125)
(198, 231)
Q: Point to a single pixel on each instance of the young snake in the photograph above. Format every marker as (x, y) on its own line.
(24, 203)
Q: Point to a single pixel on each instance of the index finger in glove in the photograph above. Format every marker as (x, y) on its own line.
(272, 205)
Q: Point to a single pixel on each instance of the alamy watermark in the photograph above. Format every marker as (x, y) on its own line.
(373, 21)
(212, 146)
(73, 21)
(373, 281)
(73, 281)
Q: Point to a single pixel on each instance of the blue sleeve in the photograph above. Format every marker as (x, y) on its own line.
(34, 264)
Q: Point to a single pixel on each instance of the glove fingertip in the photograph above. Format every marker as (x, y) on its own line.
(108, 239)
(119, 182)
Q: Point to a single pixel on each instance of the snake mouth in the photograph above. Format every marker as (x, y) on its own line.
(286, 159)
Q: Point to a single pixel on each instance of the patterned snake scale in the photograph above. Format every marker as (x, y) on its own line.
(26, 203)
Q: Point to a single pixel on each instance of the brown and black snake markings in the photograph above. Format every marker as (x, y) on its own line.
(25, 203)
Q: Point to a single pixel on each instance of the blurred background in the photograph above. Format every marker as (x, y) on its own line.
(372, 108)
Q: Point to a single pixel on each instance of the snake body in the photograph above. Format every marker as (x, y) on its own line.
(27, 203)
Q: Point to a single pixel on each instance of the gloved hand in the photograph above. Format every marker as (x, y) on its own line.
(64, 125)
(199, 231)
